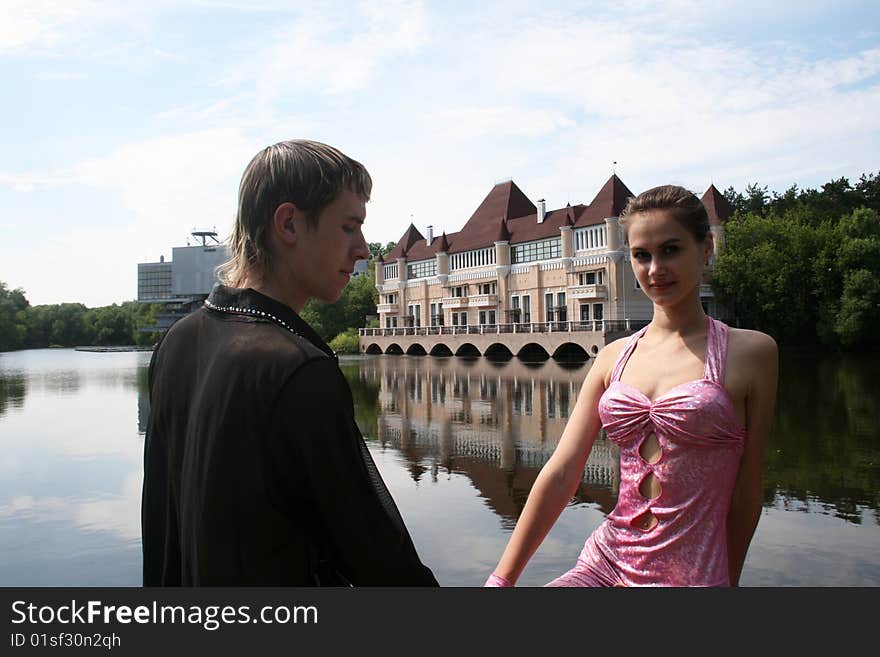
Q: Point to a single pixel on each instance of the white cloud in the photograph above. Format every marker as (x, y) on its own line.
(37, 23)
(467, 122)
(333, 52)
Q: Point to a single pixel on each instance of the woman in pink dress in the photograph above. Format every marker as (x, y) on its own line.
(689, 402)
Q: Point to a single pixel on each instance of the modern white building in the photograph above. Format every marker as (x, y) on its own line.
(184, 282)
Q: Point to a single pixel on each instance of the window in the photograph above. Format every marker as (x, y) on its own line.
(585, 312)
(459, 291)
(422, 269)
(415, 315)
(527, 309)
(436, 314)
(561, 309)
(591, 278)
(543, 250)
(486, 288)
(487, 317)
(548, 306)
(514, 315)
(598, 312)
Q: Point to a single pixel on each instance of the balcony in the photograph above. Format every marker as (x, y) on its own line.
(384, 308)
(588, 291)
(482, 300)
(454, 303)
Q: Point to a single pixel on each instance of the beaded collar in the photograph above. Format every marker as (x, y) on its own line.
(250, 302)
(251, 311)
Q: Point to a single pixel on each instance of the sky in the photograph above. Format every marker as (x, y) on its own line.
(127, 125)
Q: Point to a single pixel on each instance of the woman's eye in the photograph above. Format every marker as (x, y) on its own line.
(641, 255)
(670, 249)
(348, 229)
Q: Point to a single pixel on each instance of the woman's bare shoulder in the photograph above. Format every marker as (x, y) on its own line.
(753, 347)
(607, 357)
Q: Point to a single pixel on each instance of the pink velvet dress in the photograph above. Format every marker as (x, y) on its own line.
(678, 538)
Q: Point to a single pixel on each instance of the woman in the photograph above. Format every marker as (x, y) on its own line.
(689, 402)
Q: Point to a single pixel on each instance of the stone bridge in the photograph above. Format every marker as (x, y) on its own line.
(560, 340)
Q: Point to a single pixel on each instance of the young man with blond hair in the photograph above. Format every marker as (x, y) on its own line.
(255, 472)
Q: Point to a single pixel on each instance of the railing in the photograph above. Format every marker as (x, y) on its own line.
(387, 307)
(478, 300)
(601, 326)
(454, 302)
(589, 291)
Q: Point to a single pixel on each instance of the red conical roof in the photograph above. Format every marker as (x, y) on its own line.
(503, 200)
(717, 205)
(610, 200)
(405, 243)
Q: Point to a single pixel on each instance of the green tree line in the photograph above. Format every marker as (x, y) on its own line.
(803, 265)
(23, 326)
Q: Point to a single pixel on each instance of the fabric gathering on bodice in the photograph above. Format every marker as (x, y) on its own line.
(679, 537)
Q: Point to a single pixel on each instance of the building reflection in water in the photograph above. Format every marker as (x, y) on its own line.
(496, 423)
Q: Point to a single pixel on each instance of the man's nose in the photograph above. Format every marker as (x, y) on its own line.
(361, 248)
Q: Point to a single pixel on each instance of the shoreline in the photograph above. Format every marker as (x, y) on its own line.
(114, 349)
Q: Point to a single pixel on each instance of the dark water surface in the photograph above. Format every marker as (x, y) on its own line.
(459, 443)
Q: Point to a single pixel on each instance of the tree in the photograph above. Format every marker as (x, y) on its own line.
(12, 328)
(358, 301)
(765, 273)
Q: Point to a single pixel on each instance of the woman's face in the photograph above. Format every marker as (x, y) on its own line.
(666, 258)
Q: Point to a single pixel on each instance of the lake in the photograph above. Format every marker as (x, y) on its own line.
(459, 443)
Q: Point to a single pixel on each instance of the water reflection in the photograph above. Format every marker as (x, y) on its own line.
(442, 428)
(70, 468)
(824, 451)
(459, 443)
(13, 388)
(495, 423)
(499, 422)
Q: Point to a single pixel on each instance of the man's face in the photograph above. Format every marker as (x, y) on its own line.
(325, 255)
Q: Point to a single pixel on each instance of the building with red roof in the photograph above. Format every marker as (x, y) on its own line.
(516, 262)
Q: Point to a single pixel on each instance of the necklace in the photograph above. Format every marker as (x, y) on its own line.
(252, 311)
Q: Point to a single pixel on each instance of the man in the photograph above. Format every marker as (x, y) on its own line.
(255, 472)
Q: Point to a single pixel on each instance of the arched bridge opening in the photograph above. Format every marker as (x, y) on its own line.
(468, 350)
(498, 352)
(571, 354)
(533, 353)
(373, 349)
(416, 350)
(441, 350)
(394, 349)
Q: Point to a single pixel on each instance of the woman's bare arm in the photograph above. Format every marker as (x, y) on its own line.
(560, 476)
(760, 357)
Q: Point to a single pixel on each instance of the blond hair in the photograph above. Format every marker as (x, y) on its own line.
(308, 174)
